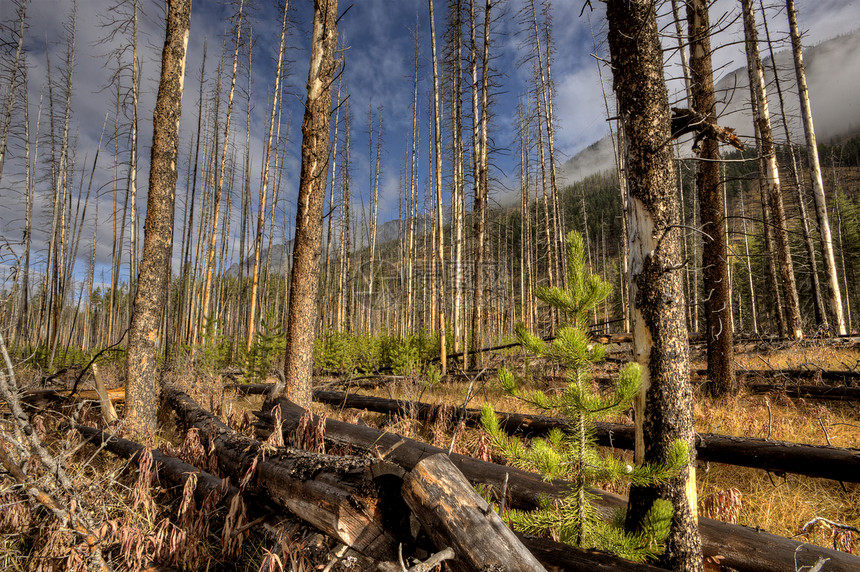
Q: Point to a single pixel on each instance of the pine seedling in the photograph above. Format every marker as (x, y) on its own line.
(572, 454)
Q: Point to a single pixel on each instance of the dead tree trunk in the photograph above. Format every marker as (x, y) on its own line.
(258, 237)
(455, 515)
(834, 293)
(304, 283)
(664, 408)
(154, 279)
(717, 284)
(437, 185)
(329, 492)
(770, 179)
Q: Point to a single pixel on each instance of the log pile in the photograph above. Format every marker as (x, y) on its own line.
(357, 499)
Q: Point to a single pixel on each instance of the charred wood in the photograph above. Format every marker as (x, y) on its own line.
(840, 393)
(335, 494)
(172, 469)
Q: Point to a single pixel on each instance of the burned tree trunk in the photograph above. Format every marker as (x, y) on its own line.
(304, 285)
(664, 407)
(154, 279)
(715, 266)
(174, 470)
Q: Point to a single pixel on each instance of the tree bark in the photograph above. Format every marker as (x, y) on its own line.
(664, 408)
(335, 494)
(834, 293)
(770, 179)
(715, 273)
(304, 284)
(154, 279)
(437, 185)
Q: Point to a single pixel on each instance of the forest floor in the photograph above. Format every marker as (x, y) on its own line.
(138, 515)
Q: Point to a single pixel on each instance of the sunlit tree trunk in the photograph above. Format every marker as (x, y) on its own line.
(411, 211)
(62, 185)
(258, 237)
(458, 198)
(302, 318)
(141, 376)
(218, 190)
(437, 182)
(479, 141)
(753, 311)
(770, 179)
(374, 208)
(795, 171)
(834, 293)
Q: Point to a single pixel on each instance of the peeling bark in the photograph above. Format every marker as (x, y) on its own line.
(664, 408)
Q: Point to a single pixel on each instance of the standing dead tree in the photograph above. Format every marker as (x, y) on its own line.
(834, 293)
(717, 283)
(664, 408)
(302, 314)
(770, 178)
(154, 279)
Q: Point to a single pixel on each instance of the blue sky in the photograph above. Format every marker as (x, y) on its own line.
(379, 37)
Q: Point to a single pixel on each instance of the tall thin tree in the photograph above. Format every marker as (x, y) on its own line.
(770, 178)
(834, 293)
(718, 291)
(304, 284)
(258, 237)
(141, 378)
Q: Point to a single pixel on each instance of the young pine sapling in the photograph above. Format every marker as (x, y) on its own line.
(572, 454)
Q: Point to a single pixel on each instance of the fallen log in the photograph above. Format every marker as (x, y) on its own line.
(831, 377)
(777, 456)
(840, 393)
(738, 547)
(337, 495)
(46, 395)
(172, 469)
(526, 488)
(557, 556)
(456, 516)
